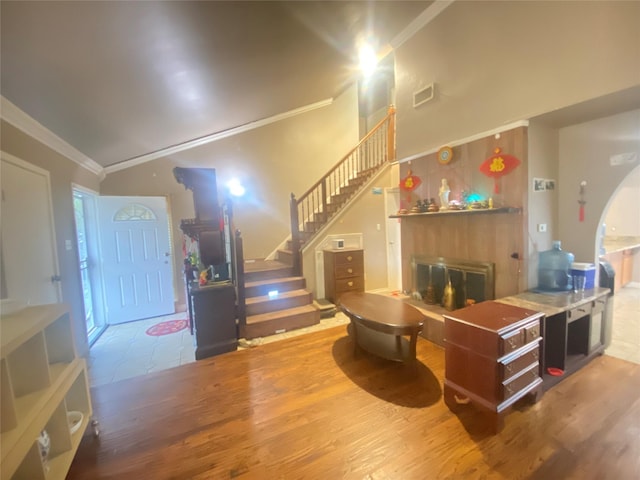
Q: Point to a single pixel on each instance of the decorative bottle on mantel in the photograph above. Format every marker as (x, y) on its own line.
(444, 194)
(554, 269)
(449, 297)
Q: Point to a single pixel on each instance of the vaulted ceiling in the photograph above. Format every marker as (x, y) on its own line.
(120, 80)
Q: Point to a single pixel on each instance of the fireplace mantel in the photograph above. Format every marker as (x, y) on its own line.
(460, 212)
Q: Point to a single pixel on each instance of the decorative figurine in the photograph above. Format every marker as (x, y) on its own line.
(444, 194)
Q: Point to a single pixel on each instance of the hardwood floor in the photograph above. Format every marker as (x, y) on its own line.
(306, 408)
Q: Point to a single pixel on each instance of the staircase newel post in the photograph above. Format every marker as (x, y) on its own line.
(242, 308)
(391, 134)
(295, 236)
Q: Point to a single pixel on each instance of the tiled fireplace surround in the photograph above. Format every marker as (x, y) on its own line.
(471, 246)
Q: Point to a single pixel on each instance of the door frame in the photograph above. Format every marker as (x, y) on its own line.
(95, 271)
(12, 159)
(393, 233)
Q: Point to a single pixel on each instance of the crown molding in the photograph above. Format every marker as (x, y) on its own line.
(22, 121)
(215, 137)
(429, 13)
(472, 138)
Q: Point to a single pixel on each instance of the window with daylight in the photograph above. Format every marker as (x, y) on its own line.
(134, 212)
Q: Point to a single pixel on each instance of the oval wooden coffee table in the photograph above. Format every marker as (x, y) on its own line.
(379, 325)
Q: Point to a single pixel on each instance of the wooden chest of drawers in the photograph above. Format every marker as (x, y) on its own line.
(343, 272)
(492, 357)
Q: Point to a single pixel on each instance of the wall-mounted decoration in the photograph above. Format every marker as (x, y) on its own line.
(581, 201)
(498, 165)
(410, 182)
(445, 155)
(542, 184)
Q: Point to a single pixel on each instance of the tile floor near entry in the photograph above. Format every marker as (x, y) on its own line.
(125, 350)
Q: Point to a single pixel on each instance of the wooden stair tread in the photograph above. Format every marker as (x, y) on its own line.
(258, 283)
(281, 295)
(288, 312)
(260, 265)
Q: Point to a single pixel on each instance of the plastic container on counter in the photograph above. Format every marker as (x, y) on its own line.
(586, 270)
(554, 269)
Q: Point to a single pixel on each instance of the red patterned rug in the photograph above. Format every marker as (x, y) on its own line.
(165, 328)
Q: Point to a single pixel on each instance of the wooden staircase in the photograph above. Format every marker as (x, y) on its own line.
(266, 314)
(292, 307)
(315, 208)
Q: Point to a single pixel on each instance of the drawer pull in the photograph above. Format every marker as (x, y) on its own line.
(534, 333)
(509, 368)
(536, 354)
(349, 258)
(350, 270)
(350, 284)
(509, 389)
(512, 342)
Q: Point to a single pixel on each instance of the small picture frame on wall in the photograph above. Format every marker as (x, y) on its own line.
(549, 184)
(539, 184)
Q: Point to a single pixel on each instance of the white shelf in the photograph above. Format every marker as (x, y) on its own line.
(42, 379)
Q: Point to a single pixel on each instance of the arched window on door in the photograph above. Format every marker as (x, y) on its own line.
(134, 212)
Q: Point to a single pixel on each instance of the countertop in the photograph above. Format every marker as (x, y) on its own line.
(552, 303)
(617, 244)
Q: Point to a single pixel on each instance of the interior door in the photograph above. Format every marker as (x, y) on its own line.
(29, 254)
(394, 254)
(136, 254)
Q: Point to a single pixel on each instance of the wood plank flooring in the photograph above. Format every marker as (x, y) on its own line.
(306, 408)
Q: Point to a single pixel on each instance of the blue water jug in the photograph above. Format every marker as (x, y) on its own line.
(554, 269)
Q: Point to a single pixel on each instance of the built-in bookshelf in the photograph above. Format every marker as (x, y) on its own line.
(43, 379)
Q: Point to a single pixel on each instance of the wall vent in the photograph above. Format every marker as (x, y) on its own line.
(423, 95)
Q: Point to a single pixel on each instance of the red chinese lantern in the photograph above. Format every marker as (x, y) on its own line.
(498, 165)
(409, 184)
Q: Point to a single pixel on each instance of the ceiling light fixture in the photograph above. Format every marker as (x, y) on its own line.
(235, 187)
(368, 60)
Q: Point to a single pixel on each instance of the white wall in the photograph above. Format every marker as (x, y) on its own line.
(623, 215)
(585, 155)
(499, 62)
(542, 205)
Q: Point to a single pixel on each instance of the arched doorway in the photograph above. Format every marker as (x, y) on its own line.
(620, 246)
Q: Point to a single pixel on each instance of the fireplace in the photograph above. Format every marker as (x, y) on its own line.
(473, 281)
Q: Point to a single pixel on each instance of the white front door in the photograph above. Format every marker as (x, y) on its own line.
(29, 254)
(136, 256)
(394, 255)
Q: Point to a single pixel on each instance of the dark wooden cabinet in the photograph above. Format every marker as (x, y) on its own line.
(574, 336)
(492, 357)
(343, 272)
(213, 312)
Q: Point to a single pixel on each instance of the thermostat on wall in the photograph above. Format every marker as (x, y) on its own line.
(338, 243)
